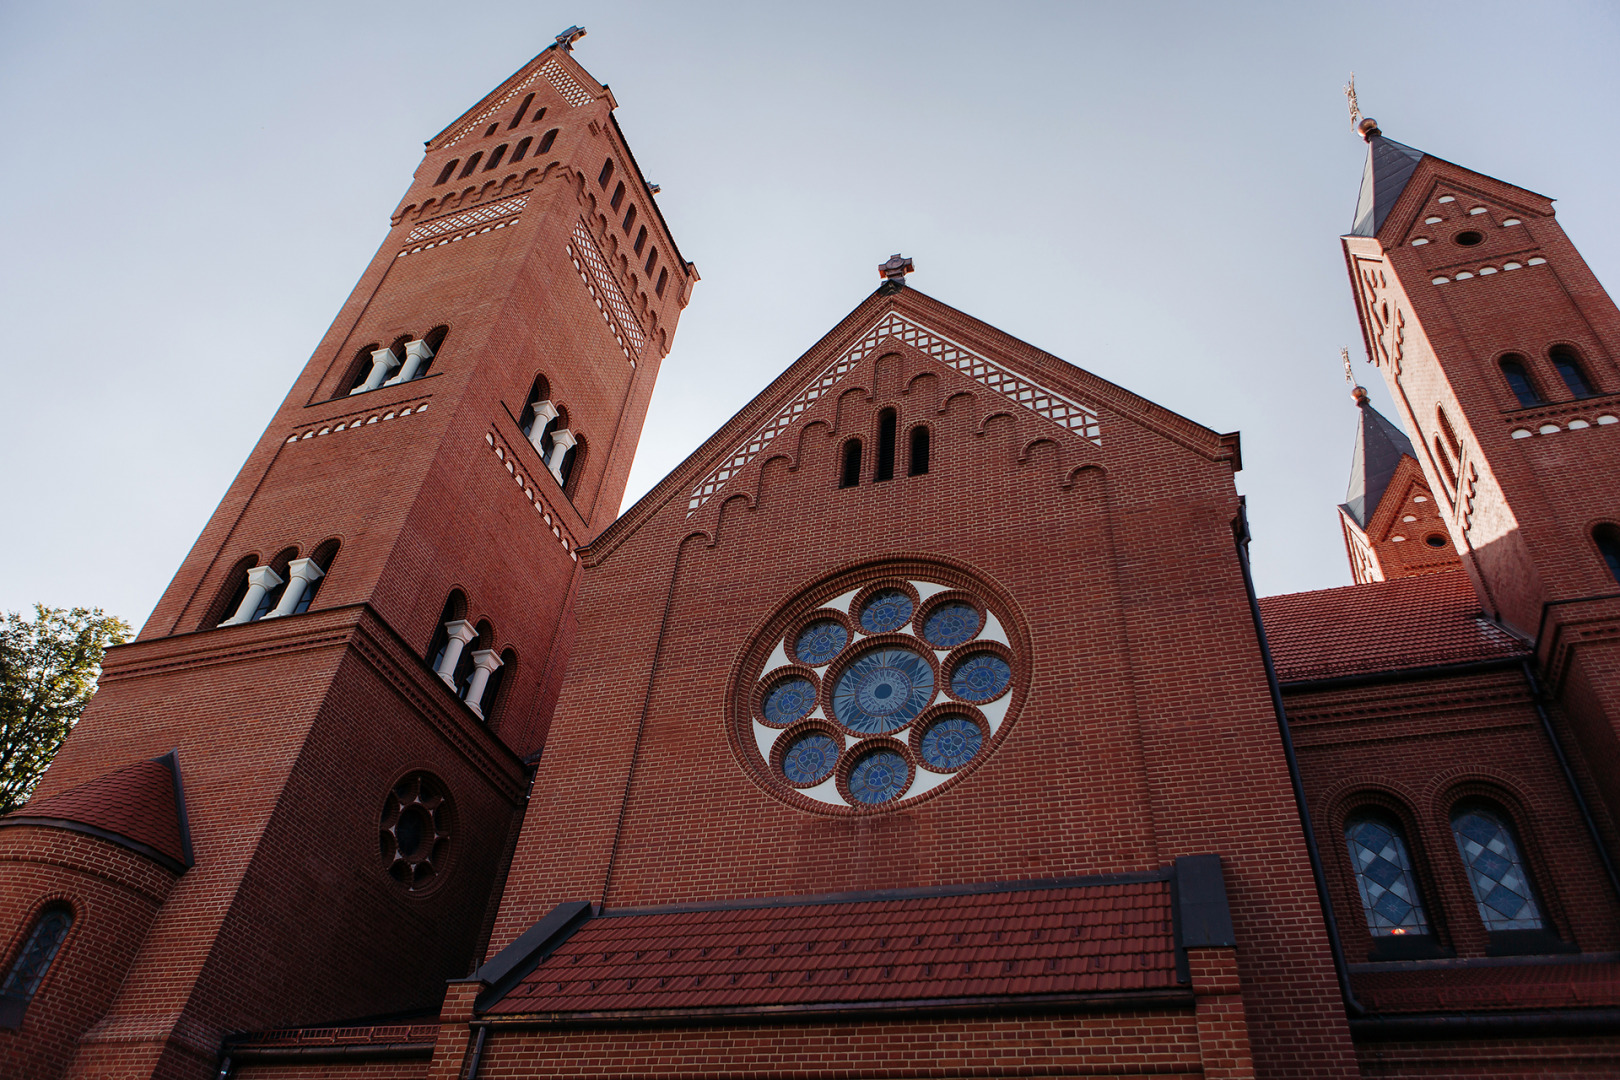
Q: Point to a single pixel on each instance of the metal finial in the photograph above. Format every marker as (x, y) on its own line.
(1357, 392)
(566, 39)
(896, 269)
(1350, 96)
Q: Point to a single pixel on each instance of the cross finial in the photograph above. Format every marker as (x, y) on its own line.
(895, 270)
(1357, 392)
(566, 39)
(1366, 127)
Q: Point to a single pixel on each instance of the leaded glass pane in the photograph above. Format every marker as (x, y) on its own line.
(820, 641)
(811, 758)
(34, 960)
(885, 610)
(878, 777)
(788, 700)
(949, 625)
(1501, 887)
(981, 677)
(883, 691)
(950, 742)
(1384, 877)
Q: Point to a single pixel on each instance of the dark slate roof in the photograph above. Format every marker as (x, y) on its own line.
(1380, 446)
(139, 806)
(1412, 622)
(1389, 167)
(803, 954)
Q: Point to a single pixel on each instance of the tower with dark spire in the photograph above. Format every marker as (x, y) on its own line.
(1392, 526)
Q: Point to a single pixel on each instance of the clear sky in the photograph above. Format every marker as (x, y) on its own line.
(1152, 191)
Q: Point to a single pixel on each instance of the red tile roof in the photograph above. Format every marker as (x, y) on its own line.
(1100, 939)
(1382, 626)
(136, 803)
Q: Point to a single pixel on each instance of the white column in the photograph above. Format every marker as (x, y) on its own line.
(544, 413)
(561, 442)
(485, 661)
(417, 353)
(382, 362)
(261, 579)
(461, 631)
(301, 574)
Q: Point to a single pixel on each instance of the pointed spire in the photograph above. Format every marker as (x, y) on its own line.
(1380, 445)
(1389, 166)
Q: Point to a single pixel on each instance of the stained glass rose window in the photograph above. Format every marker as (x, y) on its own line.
(820, 641)
(811, 758)
(878, 777)
(981, 677)
(950, 742)
(789, 700)
(882, 691)
(950, 624)
(885, 610)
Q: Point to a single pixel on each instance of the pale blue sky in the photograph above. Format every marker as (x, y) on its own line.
(1152, 191)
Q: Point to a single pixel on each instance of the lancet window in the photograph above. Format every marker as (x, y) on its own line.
(33, 962)
(463, 656)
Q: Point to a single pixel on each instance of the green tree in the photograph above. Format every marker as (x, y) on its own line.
(48, 672)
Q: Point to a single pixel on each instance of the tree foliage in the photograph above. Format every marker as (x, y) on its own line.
(48, 672)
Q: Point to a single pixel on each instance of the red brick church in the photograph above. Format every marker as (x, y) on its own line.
(923, 722)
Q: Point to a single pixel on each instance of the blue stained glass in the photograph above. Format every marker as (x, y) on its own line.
(981, 677)
(788, 700)
(885, 610)
(878, 777)
(950, 742)
(820, 641)
(1501, 887)
(883, 691)
(949, 625)
(1389, 893)
(811, 758)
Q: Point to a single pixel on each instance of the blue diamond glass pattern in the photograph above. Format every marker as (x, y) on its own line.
(981, 677)
(820, 641)
(885, 610)
(883, 691)
(789, 700)
(1495, 871)
(811, 758)
(950, 624)
(950, 742)
(1384, 878)
(878, 777)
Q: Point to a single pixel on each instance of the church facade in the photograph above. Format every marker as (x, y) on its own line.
(923, 722)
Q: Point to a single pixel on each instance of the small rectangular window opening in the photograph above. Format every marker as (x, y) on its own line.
(523, 108)
(652, 260)
(547, 139)
(629, 220)
(850, 475)
(641, 238)
(605, 175)
(472, 163)
(887, 422)
(618, 196)
(919, 451)
(663, 279)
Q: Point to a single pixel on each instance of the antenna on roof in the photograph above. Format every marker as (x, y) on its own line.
(566, 39)
(1366, 127)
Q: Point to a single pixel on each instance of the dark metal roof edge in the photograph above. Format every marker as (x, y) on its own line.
(1158, 998)
(529, 950)
(172, 760)
(926, 892)
(168, 862)
(393, 1051)
(1433, 671)
(1485, 1025)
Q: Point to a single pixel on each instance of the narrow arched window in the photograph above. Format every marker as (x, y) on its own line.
(490, 703)
(652, 260)
(517, 118)
(472, 163)
(605, 175)
(1607, 539)
(539, 392)
(663, 279)
(629, 220)
(32, 962)
(917, 462)
(468, 662)
(496, 157)
(850, 475)
(322, 558)
(1569, 367)
(1384, 876)
(231, 593)
(539, 116)
(888, 422)
(455, 609)
(360, 368)
(1452, 443)
(618, 196)
(447, 172)
(522, 148)
(1445, 465)
(1518, 380)
(1496, 871)
(641, 238)
(570, 466)
(435, 343)
(547, 139)
(277, 581)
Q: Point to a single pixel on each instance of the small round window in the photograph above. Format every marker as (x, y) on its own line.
(1469, 238)
(413, 836)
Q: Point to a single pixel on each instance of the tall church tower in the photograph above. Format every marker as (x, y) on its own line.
(293, 795)
(1500, 348)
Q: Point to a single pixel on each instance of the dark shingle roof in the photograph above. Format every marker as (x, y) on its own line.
(1379, 448)
(1389, 167)
(138, 805)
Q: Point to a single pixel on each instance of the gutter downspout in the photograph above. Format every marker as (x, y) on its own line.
(1240, 532)
(1569, 778)
(478, 1052)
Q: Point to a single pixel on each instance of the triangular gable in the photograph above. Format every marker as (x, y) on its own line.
(553, 66)
(1432, 172)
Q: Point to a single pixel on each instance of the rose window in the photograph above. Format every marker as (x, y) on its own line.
(870, 694)
(414, 834)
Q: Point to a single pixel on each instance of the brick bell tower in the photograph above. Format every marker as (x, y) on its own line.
(1500, 349)
(294, 795)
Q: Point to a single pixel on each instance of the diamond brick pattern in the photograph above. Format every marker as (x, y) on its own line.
(1053, 406)
(565, 84)
(477, 123)
(467, 219)
(1068, 940)
(604, 289)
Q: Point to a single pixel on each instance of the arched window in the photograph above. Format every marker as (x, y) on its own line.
(539, 392)
(1568, 364)
(472, 163)
(231, 593)
(1518, 380)
(888, 422)
(1445, 465)
(272, 595)
(1496, 871)
(435, 343)
(1384, 876)
(570, 466)
(517, 117)
(32, 962)
(652, 260)
(360, 368)
(482, 641)
(850, 476)
(605, 175)
(495, 157)
(448, 171)
(547, 139)
(455, 609)
(618, 196)
(641, 237)
(322, 558)
(539, 116)
(522, 148)
(1607, 539)
(1452, 443)
(629, 220)
(490, 702)
(917, 463)
(663, 279)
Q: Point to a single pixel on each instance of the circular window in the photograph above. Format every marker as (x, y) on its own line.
(865, 715)
(1435, 540)
(1469, 238)
(413, 836)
